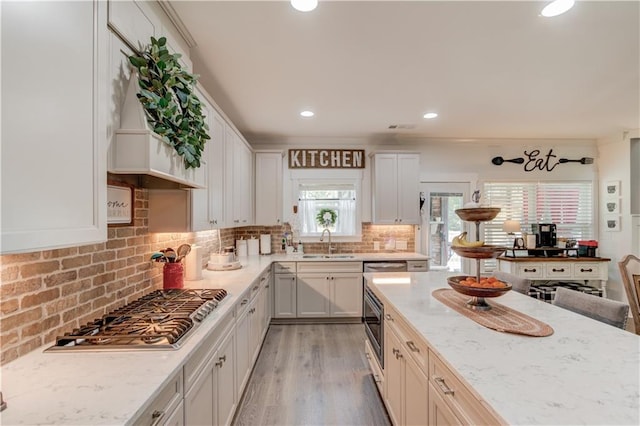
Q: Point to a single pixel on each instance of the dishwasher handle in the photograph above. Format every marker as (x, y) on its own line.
(385, 267)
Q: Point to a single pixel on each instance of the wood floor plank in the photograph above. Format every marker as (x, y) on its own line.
(312, 374)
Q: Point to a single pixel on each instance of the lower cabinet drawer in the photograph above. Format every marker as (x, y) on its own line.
(466, 407)
(586, 270)
(415, 346)
(530, 270)
(558, 270)
(162, 408)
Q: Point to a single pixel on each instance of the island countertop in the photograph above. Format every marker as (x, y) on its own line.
(586, 372)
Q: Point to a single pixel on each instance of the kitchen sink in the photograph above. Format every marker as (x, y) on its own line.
(327, 256)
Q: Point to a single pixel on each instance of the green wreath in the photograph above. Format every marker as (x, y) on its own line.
(167, 95)
(326, 221)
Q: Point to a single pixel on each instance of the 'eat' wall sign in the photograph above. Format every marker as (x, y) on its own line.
(326, 158)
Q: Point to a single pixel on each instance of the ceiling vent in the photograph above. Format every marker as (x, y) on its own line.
(401, 126)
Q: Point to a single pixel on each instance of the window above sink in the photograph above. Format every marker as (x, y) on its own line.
(342, 196)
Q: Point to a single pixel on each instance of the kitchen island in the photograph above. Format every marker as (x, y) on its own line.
(586, 372)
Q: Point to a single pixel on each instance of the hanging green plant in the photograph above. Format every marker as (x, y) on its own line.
(167, 96)
(326, 217)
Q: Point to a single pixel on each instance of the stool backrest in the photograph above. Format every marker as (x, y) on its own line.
(519, 284)
(608, 311)
(630, 273)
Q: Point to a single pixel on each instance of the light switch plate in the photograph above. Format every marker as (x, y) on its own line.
(376, 245)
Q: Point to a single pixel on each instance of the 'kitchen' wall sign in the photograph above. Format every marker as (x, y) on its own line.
(326, 158)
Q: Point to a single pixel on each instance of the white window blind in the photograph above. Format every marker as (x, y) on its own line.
(570, 205)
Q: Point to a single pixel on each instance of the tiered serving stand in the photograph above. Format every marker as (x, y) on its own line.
(478, 294)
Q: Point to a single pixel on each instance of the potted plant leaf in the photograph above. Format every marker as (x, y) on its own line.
(171, 106)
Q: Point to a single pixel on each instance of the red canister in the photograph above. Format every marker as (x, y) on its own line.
(172, 275)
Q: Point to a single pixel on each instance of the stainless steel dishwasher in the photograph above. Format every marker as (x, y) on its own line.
(397, 266)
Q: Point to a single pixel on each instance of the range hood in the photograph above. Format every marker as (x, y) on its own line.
(137, 150)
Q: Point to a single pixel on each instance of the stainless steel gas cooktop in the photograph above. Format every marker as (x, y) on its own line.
(160, 320)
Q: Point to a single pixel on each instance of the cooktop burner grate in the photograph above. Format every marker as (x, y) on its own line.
(159, 320)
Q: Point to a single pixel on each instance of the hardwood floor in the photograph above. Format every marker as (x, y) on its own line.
(312, 374)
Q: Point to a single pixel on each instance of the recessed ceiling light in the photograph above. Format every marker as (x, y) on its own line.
(557, 7)
(304, 5)
(430, 115)
(307, 114)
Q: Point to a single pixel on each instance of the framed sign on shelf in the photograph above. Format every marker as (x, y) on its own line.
(119, 204)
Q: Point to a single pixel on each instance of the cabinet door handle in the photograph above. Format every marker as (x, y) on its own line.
(256, 287)
(219, 364)
(558, 270)
(156, 417)
(586, 270)
(395, 352)
(530, 270)
(376, 378)
(223, 358)
(412, 346)
(388, 317)
(443, 386)
(244, 302)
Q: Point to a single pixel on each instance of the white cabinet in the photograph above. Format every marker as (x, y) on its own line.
(545, 269)
(378, 376)
(346, 295)
(396, 195)
(167, 407)
(313, 296)
(251, 328)
(210, 396)
(133, 21)
(53, 124)
(451, 401)
(284, 296)
(268, 185)
(329, 289)
(406, 384)
(177, 210)
(239, 175)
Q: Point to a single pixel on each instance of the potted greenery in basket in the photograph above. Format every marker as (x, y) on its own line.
(326, 217)
(167, 96)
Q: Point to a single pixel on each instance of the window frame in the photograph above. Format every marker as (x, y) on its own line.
(357, 184)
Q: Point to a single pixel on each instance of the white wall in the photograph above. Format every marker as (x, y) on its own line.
(614, 164)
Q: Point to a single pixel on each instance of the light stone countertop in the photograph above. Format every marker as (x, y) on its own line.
(114, 387)
(587, 372)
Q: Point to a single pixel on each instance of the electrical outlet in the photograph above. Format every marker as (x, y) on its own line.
(376, 245)
(401, 244)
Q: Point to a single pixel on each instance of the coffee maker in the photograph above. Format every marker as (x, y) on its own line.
(545, 234)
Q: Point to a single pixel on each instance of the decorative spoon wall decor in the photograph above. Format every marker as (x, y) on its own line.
(499, 160)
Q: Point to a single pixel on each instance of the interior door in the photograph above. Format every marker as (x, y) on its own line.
(440, 224)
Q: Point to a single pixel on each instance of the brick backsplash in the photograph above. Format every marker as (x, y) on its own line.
(46, 293)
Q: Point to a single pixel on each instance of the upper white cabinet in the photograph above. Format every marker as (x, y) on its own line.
(396, 179)
(53, 124)
(133, 21)
(239, 175)
(196, 209)
(268, 184)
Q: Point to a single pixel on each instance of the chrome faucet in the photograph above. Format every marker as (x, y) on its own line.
(322, 239)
